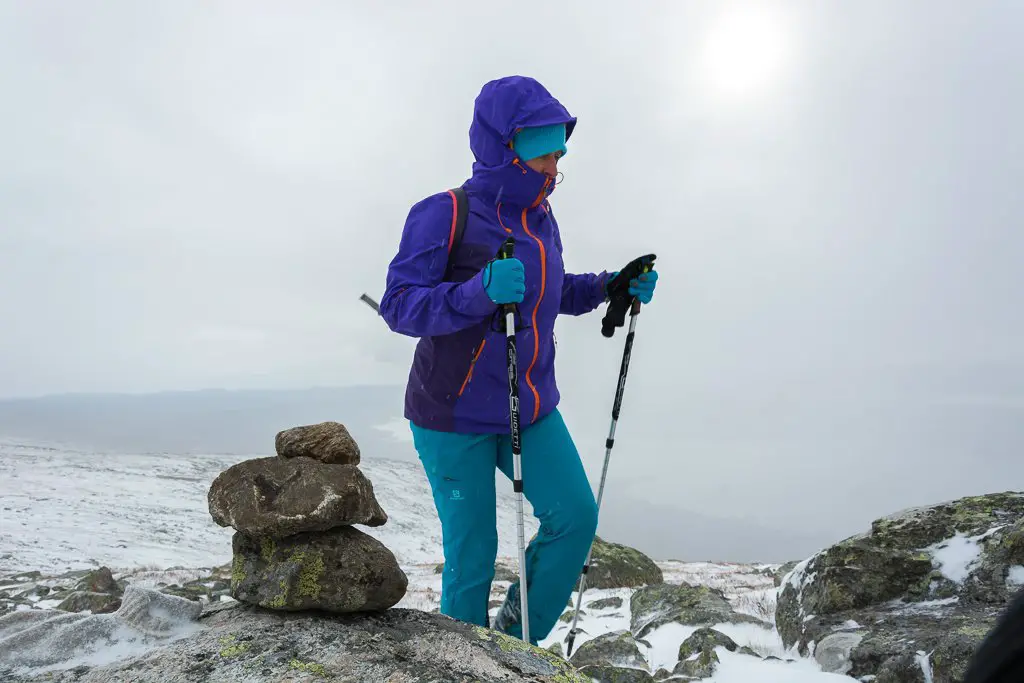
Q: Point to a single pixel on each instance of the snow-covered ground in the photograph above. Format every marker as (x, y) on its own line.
(63, 509)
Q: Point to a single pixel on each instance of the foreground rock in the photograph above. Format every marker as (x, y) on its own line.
(656, 606)
(328, 442)
(341, 570)
(278, 497)
(930, 581)
(618, 566)
(238, 643)
(38, 638)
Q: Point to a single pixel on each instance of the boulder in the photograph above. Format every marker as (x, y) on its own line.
(237, 642)
(927, 580)
(613, 565)
(616, 649)
(655, 606)
(278, 497)
(341, 570)
(328, 442)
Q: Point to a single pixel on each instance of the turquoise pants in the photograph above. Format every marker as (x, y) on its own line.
(460, 469)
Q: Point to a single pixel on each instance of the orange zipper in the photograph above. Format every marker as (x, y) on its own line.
(472, 364)
(536, 336)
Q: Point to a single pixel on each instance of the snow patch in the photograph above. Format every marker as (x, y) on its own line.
(1015, 578)
(957, 557)
(737, 668)
(924, 661)
(665, 641)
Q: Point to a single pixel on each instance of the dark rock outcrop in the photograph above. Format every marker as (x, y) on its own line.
(919, 591)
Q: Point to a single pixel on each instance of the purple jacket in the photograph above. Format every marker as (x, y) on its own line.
(458, 381)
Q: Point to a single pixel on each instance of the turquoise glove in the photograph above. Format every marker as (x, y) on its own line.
(505, 281)
(642, 289)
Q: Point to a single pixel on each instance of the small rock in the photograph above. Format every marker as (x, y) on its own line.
(97, 603)
(278, 497)
(705, 639)
(99, 581)
(615, 674)
(606, 603)
(328, 442)
(700, 664)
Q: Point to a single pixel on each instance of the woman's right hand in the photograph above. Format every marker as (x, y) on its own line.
(505, 281)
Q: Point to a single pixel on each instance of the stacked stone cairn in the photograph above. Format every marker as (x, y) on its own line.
(295, 546)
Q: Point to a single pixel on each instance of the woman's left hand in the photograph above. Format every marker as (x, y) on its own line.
(643, 287)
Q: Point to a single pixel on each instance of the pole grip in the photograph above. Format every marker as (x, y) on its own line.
(507, 251)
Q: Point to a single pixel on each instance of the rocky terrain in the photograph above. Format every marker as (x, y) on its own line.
(308, 596)
(909, 600)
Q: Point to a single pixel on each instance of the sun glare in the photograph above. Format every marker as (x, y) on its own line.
(744, 53)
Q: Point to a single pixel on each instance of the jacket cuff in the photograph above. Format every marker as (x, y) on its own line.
(472, 299)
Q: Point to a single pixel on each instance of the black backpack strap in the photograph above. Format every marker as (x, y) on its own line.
(460, 212)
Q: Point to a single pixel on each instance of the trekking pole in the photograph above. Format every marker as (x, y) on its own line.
(517, 458)
(627, 352)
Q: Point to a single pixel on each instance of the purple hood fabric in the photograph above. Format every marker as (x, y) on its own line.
(458, 381)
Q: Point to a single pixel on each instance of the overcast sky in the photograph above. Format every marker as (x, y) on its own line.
(194, 194)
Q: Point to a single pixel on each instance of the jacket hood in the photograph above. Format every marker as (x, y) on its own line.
(502, 107)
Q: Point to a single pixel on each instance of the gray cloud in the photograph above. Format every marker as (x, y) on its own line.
(194, 195)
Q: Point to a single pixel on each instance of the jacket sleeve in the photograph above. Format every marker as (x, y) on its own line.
(581, 293)
(416, 302)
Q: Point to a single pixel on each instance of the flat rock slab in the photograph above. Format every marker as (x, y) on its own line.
(244, 644)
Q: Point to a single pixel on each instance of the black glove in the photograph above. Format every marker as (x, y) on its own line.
(619, 296)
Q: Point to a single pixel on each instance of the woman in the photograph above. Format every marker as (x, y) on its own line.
(457, 396)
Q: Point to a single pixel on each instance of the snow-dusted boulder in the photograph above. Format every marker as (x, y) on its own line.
(233, 642)
(328, 442)
(917, 593)
(613, 565)
(654, 606)
(279, 497)
(341, 570)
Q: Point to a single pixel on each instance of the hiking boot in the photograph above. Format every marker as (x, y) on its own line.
(510, 612)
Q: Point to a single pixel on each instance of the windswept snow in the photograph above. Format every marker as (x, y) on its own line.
(65, 509)
(923, 660)
(1016, 576)
(957, 557)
